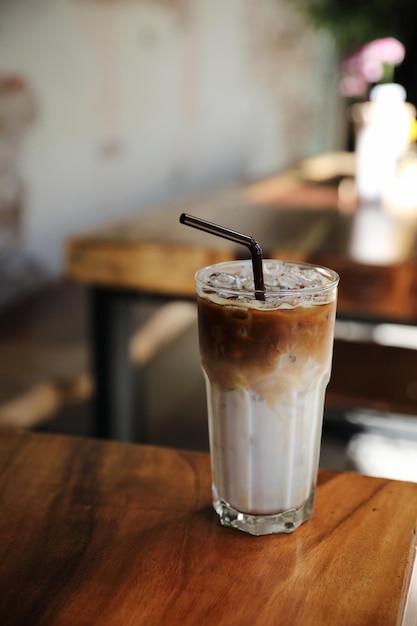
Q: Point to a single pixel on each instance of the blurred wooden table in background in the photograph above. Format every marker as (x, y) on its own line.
(153, 255)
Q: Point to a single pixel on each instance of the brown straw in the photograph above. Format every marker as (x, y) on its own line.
(233, 235)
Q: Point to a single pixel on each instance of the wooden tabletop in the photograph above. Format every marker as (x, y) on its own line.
(153, 252)
(289, 214)
(95, 532)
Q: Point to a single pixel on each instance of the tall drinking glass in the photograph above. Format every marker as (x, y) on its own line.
(266, 365)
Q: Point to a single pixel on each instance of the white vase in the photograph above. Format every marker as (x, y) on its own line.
(383, 137)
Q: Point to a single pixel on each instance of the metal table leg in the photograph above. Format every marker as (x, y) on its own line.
(119, 405)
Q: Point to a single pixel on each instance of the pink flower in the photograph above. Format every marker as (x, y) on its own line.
(366, 65)
(385, 50)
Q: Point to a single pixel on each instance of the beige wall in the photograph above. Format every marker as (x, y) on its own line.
(138, 102)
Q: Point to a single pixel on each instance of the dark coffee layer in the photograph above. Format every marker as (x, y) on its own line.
(238, 342)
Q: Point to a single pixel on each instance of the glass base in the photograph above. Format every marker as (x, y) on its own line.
(284, 522)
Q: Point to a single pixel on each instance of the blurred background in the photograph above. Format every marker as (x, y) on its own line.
(109, 108)
(116, 106)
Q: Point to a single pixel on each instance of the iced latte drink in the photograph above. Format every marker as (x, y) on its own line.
(266, 364)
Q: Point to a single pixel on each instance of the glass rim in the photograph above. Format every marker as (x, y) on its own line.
(332, 276)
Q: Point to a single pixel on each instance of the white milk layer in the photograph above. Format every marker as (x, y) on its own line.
(265, 454)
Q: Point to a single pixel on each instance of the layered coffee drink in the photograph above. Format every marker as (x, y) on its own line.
(267, 364)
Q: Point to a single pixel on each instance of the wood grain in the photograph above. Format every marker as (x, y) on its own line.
(96, 532)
